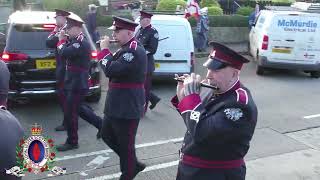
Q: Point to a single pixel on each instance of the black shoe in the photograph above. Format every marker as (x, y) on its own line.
(67, 147)
(153, 104)
(99, 134)
(60, 128)
(140, 167)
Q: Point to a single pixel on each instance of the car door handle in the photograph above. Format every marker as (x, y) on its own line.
(167, 54)
(290, 40)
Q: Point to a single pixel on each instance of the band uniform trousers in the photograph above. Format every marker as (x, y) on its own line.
(61, 97)
(119, 135)
(186, 172)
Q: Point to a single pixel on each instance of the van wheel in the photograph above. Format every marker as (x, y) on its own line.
(315, 74)
(260, 70)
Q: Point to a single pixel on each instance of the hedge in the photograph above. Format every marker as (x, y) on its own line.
(79, 7)
(214, 11)
(107, 20)
(245, 10)
(209, 3)
(224, 21)
(170, 5)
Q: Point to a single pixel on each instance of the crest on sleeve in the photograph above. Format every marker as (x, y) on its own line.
(156, 35)
(128, 57)
(104, 62)
(76, 45)
(233, 114)
(195, 115)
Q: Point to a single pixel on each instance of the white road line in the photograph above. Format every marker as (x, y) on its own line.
(74, 156)
(311, 116)
(148, 168)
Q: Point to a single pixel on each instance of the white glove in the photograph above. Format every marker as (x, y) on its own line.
(205, 93)
(192, 84)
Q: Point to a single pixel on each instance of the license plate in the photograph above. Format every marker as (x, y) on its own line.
(46, 64)
(285, 51)
(157, 65)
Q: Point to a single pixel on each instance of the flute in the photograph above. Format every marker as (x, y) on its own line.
(201, 84)
(111, 41)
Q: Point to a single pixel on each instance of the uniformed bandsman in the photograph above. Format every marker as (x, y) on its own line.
(51, 42)
(126, 70)
(148, 36)
(77, 52)
(220, 123)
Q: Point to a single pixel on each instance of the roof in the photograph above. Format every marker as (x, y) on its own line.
(35, 17)
(170, 19)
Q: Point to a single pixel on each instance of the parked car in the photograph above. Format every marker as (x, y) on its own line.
(31, 64)
(175, 53)
(286, 40)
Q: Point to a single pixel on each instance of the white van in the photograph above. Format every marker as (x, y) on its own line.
(286, 40)
(175, 53)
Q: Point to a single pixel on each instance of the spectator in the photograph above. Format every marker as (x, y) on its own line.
(91, 21)
(202, 30)
(11, 131)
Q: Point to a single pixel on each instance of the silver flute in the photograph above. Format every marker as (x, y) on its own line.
(111, 41)
(179, 79)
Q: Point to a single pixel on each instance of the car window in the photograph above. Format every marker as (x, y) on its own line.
(27, 37)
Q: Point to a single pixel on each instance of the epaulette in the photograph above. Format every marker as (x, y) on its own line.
(133, 45)
(242, 96)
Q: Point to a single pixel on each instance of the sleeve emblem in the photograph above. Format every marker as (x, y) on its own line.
(76, 45)
(128, 57)
(195, 115)
(156, 35)
(233, 114)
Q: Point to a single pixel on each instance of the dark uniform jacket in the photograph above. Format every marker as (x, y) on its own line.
(77, 53)
(52, 42)
(126, 71)
(11, 133)
(218, 132)
(149, 37)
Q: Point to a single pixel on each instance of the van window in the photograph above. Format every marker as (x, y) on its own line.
(260, 20)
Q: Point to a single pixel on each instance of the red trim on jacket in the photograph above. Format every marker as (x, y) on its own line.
(62, 41)
(103, 53)
(189, 102)
(126, 85)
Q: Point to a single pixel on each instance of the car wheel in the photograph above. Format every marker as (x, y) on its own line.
(315, 74)
(260, 70)
(94, 97)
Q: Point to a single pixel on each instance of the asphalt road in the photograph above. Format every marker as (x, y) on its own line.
(285, 99)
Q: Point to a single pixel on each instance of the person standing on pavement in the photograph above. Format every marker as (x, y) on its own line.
(125, 100)
(51, 42)
(202, 30)
(148, 36)
(77, 52)
(11, 131)
(220, 123)
(91, 21)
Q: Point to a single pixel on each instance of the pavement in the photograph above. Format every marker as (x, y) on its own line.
(285, 146)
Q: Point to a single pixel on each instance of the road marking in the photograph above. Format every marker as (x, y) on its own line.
(174, 140)
(311, 116)
(148, 168)
(94, 164)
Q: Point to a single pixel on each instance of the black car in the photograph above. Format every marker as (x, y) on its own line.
(31, 63)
